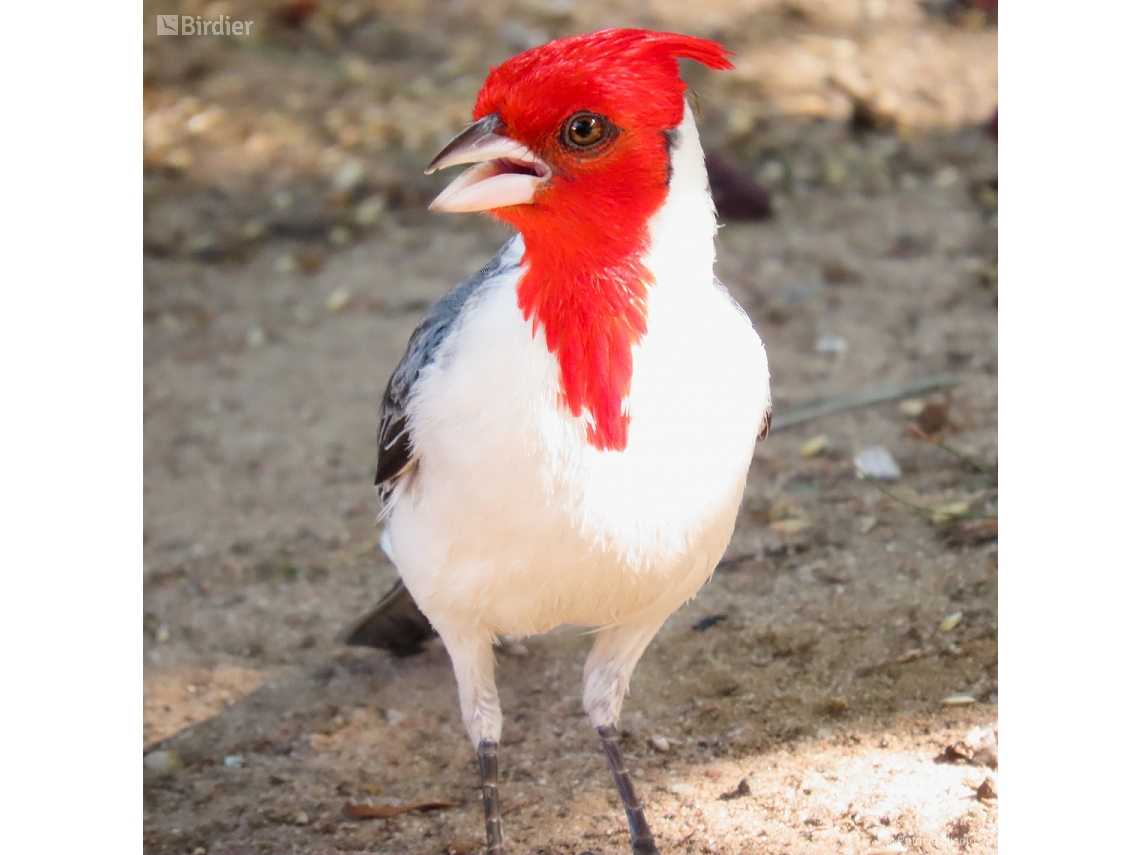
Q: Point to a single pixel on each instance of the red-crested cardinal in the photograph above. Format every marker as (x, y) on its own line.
(567, 437)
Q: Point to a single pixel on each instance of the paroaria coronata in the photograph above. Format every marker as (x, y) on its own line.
(567, 437)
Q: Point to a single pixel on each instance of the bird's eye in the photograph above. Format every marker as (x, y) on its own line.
(586, 130)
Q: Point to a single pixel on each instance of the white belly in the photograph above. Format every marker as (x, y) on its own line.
(515, 524)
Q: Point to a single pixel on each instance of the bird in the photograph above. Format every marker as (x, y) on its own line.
(567, 437)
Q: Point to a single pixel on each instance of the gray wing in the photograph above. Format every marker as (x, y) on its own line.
(395, 445)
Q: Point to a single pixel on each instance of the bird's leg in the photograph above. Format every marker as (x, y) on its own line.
(608, 669)
(638, 828)
(474, 664)
(489, 776)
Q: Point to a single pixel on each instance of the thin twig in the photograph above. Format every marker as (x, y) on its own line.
(798, 413)
(365, 811)
(930, 512)
(984, 468)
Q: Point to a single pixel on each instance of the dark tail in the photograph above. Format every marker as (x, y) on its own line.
(395, 624)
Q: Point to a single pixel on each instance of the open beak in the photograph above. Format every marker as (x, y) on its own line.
(505, 172)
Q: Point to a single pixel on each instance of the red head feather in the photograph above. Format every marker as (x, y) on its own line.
(586, 231)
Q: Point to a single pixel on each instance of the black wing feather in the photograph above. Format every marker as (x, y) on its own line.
(395, 624)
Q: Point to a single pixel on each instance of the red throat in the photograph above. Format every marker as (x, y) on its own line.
(591, 306)
(584, 285)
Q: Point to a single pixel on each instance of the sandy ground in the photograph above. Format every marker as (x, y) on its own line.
(288, 258)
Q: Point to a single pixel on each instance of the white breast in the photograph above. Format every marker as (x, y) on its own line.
(515, 518)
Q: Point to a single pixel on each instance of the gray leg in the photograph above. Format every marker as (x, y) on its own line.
(489, 775)
(638, 828)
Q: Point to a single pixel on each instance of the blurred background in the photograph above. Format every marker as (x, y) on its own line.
(321, 120)
(842, 689)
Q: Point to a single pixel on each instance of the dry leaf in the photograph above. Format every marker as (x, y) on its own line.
(932, 418)
(949, 511)
(789, 526)
(813, 446)
(949, 622)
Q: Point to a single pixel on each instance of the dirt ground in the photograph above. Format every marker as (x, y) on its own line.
(288, 256)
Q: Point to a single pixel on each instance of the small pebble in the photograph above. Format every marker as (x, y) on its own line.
(162, 761)
(338, 299)
(356, 69)
(253, 230)
(163, 635)
(772, 172)
(660, 743)
(340, 236)
(911, 407)
(285, 263)
(877, 462)
(302, 818)
(945, 177)
(310, 259)
(394, 717)
(200, 123)
(949, 622)
(988, 789)
(232, 761)
(682, 789)
(254, 337)
(789, 526)
(348, 176)
(180, 158)
(813, 446)
(368, 211)
(957, 701)
(867, 523)
(831, 345)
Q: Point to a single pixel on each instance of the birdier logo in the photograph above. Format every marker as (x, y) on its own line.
(195, 25)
